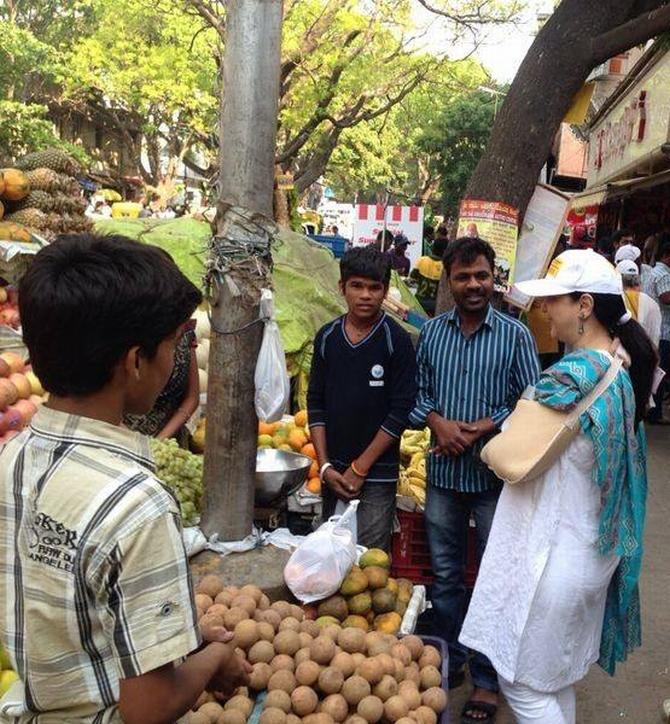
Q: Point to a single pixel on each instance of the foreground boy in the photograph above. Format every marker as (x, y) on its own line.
(361, 391)
(95, 591)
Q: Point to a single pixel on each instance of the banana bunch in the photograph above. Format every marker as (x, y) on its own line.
(412, 481)
(414, 441)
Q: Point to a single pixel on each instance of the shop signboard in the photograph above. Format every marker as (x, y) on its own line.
(370, 219)
(634, 129)
(542, 227)
(498, 224)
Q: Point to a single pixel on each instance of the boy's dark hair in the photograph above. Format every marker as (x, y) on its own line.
(368, 262)
(664, 247)
(87, 299)
(465, 250)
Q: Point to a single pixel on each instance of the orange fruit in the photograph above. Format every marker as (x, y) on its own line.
(297, 440)
(266, 428)
(314, 470)
(301, 418)
(309, 451)
(314, 485)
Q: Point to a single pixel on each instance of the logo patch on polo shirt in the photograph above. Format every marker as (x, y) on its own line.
(377, 372)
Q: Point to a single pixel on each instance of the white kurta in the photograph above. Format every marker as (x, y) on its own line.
(538, 605)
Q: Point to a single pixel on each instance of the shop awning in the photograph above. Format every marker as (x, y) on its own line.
(591, 197)
(617, 190)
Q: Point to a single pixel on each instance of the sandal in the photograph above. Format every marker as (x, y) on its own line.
(480, 707)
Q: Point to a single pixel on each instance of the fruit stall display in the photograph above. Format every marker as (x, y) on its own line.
(21, 394)
(41, 194)
(368, 597)
(414, 446)
(7, 675)
(316, 671)
(181, 471)
(9, 307)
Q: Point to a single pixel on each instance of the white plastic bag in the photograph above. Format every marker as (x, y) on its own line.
(320, 563)
(273, 389)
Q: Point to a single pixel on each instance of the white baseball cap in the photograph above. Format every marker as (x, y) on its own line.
(575, 270)
(627, 251)
(627, 267)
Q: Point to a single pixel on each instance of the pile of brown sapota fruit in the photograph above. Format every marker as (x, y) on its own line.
(316, 674)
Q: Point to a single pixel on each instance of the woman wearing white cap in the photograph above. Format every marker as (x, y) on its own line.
(557, 587)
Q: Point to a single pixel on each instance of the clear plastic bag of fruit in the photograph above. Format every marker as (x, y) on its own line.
(320, 563)
(273, 389)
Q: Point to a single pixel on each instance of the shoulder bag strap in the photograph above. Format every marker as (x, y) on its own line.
(605, 381)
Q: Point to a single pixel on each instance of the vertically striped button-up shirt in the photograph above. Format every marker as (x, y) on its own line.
(470, 378)
(660, 284)
(94, 579)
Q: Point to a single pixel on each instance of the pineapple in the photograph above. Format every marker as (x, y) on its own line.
(33, 218)
(68, 185)
(35, 200)
(43, 179)
(52, 158)
(68, 224)
(68, 204)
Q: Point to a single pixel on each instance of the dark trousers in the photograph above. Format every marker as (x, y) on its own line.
(656, 413)
(375, 513)
(447, 519)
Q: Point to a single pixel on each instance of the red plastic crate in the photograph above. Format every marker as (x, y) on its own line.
(410, 554)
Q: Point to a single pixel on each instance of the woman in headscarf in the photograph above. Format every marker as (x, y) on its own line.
(558, 585)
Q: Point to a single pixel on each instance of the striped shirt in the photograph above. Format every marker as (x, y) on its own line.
(659, 283)
(94, 579)
(470, 378)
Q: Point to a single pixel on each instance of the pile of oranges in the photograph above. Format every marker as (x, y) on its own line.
(292, 436)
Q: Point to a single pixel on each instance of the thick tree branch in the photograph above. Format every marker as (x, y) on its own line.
(318, 162)
(630, 34)
(320, 113)
(210, 16)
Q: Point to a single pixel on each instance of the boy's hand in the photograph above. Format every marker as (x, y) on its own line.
(233, 672)
(216, 634)
(353, 482)
(336, 482)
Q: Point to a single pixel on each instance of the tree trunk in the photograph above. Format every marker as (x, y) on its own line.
(555, 68)
(243, 226)
(282, 213)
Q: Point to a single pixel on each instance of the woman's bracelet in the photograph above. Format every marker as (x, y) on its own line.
(322, 472)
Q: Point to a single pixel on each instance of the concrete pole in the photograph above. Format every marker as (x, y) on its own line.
(247, 140)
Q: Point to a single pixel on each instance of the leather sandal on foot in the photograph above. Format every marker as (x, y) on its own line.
(480, 707)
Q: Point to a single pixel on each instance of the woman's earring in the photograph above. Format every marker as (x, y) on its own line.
(580, 331)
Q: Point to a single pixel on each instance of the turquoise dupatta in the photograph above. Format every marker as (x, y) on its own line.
(620, 474)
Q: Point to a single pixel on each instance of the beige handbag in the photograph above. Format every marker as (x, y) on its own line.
(535, 436)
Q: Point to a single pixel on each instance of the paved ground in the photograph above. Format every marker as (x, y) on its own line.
(636, 693)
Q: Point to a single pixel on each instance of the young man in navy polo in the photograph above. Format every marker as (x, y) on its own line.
(362, 388)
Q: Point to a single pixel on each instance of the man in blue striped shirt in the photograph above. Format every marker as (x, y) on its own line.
(473, 365)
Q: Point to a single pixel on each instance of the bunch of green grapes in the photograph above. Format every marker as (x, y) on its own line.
(181, 471)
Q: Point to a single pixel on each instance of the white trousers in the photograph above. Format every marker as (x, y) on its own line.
(533, 707)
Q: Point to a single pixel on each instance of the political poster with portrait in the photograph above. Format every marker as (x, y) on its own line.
(496, 223)
(542, 226)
